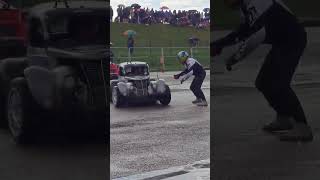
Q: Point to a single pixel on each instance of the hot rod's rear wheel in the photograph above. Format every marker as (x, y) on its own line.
(3, 119)
(3, 104)
(117, 98)
(21, 110)
(165, 98)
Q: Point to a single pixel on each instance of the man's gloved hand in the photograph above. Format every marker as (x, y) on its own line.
(176, 76)
(216, 49)
(183, 80)
(234, 59)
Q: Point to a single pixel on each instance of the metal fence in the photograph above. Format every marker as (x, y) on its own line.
(160, 57)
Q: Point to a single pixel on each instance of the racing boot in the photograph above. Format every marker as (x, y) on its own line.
(300, 132)
(281, 123)
(202, 102)
(196, 101)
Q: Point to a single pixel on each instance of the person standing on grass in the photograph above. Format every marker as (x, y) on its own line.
(130, 44)
(271, 22)
(192, 67)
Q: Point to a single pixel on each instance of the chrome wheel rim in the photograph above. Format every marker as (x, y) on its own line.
(15, 112)
(114, 96)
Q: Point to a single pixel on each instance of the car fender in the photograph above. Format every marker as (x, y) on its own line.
(49, 87)
(161, 86)
(123, 88)
(11, 68)
(65, 82)
(41, 84)
(61, 73)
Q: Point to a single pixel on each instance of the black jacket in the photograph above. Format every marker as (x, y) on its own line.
(280, 24)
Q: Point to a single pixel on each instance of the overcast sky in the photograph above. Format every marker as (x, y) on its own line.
(172, 4)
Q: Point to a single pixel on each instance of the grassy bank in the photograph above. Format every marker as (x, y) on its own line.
(156, 36)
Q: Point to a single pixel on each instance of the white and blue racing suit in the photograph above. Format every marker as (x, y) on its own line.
(194, 68)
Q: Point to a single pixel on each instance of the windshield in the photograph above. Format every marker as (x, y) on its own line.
(136, 71)
(77, 30)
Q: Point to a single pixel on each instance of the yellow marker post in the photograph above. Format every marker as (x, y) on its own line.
(162, 61)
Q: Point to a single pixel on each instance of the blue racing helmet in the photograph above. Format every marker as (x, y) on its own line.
(182, 56)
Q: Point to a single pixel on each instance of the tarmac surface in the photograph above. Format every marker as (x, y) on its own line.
(52, 158)
(240, 150)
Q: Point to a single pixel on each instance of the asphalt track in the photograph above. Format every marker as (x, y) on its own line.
(149, 138)
(53, 158)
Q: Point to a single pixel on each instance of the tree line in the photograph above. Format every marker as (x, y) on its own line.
(29, 3)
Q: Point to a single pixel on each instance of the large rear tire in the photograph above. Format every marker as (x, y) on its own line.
(3, 105)
(21, 111)
(165, 98)
(3, 119)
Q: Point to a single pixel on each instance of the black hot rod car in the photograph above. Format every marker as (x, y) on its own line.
(63, 75)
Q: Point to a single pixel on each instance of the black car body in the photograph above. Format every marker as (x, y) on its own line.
(135, 85)
(65, 69)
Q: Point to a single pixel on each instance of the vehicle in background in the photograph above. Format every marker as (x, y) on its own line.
(13, 31)
(61, 80)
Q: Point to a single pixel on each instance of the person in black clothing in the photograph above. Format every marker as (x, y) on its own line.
(192, 67)
(130, 44)
(271, 22)
(111, 13)
(120, 14)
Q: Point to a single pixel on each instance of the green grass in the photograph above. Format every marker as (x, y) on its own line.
(156, 37)
(225, 18)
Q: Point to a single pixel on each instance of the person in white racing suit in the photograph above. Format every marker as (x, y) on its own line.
(271, 22)
(192, 68)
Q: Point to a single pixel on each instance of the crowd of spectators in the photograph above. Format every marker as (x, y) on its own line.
(148, 16)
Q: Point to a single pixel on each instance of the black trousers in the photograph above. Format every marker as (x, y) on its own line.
(130, 50)
(275, 76)
(196, 84)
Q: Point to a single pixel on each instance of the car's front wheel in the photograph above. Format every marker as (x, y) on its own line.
(21, 109)
(117, 98)
(112, 84)
(165, 98)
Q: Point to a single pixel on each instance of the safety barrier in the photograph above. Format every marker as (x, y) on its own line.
(160, 56)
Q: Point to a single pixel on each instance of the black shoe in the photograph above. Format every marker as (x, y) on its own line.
(196, 101)
(300, 132)
(278, 125)
(202, 103)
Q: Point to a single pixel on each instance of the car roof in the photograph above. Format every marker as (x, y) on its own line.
(44, 8)
(133, 63)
